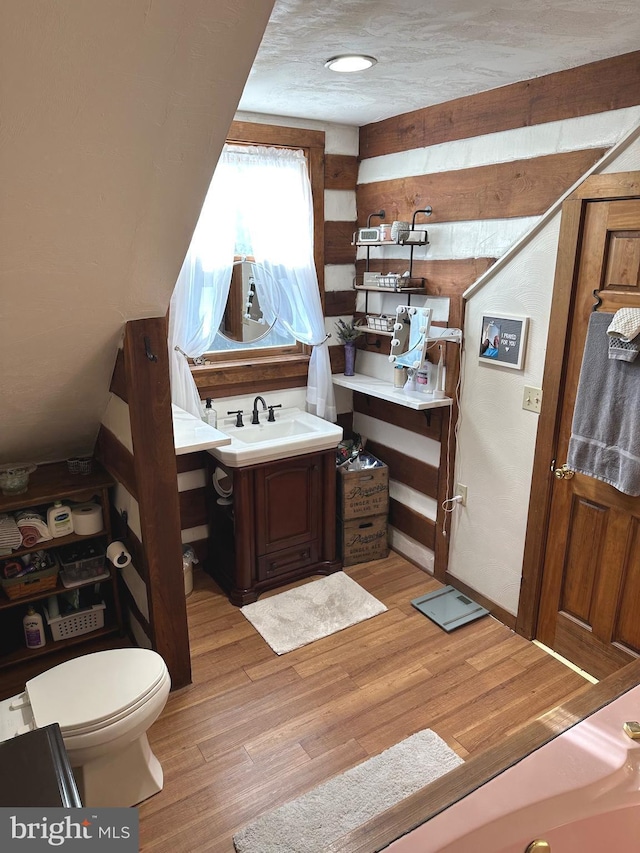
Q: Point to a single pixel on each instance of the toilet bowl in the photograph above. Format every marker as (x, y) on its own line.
(104, 703)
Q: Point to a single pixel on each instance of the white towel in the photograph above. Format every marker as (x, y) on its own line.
(33, 528)
(624, 335)
(625, 324)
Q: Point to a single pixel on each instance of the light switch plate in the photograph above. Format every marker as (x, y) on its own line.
(532, 399)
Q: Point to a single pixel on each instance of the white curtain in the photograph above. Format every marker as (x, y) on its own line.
(200, 295)
(264, 197)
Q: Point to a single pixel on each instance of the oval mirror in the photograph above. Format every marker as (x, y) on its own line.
(251, 311)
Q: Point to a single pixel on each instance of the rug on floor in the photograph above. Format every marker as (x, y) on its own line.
(320, 817)
(306, 613)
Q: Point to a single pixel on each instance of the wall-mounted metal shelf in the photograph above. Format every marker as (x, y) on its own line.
(416, 285)
(410, 284)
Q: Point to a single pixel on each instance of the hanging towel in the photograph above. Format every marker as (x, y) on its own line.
(33, 528)
(10, 536)
(605, 433)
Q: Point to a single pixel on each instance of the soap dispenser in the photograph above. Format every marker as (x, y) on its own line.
(210, 414)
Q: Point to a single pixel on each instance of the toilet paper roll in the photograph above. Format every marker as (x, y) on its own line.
(118, 555)
(87, 519)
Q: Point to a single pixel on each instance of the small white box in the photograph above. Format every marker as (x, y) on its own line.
(371, 279)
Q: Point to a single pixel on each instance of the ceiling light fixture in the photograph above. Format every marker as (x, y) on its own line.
(350, 62)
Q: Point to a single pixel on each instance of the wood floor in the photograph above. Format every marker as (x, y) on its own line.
(255, 730)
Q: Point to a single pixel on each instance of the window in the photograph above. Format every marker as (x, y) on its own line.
(282, 366)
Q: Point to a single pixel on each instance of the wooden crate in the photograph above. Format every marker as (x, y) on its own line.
(363, 493)
(363, 539)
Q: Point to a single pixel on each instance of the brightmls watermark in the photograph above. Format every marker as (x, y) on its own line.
(69, 829)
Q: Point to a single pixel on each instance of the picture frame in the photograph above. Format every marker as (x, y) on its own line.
(503, 340)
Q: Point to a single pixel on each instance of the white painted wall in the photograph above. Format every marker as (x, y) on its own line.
(496, 437)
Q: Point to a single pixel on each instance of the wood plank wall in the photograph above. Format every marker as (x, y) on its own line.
(480, 188)
(148, 475)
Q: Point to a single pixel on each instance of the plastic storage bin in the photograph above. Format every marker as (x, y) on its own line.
(81, 561)
(74, 624)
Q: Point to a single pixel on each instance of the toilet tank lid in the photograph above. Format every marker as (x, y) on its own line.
(94, 688)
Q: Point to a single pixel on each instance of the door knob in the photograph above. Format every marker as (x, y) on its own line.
(564, 473)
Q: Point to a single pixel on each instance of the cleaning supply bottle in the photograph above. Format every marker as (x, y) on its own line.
(59, 520)
(33, 629)
(210, 414)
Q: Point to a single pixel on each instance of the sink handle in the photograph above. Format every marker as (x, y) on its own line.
(271, 417)
(238, 412)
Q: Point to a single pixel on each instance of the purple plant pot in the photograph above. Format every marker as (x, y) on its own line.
(349, 358)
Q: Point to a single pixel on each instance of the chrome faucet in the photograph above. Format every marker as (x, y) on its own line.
(254, 417)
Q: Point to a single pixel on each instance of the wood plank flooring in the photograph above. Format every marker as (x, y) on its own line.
(255, 730)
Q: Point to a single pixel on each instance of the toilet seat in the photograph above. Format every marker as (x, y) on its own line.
(92, 692)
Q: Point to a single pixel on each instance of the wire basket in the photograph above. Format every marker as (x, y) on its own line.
(391, 281)
(33, 582)
(74, 624)
(381, 323)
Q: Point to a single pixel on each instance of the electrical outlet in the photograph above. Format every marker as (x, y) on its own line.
(532, 400)
(462, 491)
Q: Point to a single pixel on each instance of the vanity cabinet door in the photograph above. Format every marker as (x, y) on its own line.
(288, 504)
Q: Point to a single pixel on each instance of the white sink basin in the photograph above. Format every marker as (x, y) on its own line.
(293, 433)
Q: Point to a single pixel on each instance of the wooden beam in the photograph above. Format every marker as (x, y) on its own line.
(193, 508)
(339, 302)
(147, 374)
(399, 415)
(340, 172)
(496, 191)
(418, 475)
(230, 378)
(609, 84)
(117, 459)
(191, 461)
(337, 243)
(255, 133)
(412, 523)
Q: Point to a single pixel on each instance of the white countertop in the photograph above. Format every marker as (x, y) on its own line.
(191, 434)
(385, 391)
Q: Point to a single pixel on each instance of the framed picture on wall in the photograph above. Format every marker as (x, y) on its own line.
(503, 340)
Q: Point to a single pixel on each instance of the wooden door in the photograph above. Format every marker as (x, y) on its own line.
(590, 596)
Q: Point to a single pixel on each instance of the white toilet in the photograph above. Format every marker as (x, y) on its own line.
(104, 704)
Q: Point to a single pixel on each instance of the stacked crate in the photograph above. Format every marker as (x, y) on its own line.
(363, 507)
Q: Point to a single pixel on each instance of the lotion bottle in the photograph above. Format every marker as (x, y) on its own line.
(33, 629)
(59, 520)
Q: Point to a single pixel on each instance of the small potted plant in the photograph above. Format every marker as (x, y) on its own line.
(347, 334)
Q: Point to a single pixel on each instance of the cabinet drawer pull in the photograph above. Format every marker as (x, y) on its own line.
(278, 564)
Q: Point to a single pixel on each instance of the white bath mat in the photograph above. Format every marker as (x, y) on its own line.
(320, 817)
(317, 609)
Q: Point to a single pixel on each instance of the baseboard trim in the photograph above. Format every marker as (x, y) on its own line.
(494, 609)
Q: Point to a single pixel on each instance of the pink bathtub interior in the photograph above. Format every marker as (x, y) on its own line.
(580, 793)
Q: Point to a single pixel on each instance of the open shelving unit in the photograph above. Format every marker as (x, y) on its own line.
(410, 284)
(47, 484)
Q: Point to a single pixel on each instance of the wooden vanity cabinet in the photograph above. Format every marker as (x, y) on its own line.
(278, 526)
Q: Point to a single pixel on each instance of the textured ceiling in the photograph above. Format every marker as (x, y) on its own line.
(428, 52)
